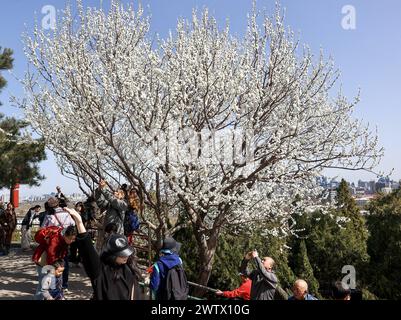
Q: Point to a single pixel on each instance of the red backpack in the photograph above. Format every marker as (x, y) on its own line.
(43, 235)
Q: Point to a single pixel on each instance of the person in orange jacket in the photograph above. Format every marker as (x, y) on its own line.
(242, 292)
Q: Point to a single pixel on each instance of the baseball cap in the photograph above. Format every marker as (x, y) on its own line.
(117, 245)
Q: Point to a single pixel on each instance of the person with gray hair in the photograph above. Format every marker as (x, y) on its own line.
(264, 280)
(300, 290)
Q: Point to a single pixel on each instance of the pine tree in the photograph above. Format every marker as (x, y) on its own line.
(345, 203)
(355, 232)
(303, 269)
(384, 246)
(19, 154)
(6, 63)
(333, 243)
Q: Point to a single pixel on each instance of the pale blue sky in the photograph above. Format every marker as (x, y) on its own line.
(369, 56)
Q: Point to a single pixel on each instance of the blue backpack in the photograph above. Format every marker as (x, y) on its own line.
(131, 222)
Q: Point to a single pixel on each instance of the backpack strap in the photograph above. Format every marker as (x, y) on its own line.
(156, 267)
(55, 215)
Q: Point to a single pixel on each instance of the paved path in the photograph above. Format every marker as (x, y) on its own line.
(18, 278)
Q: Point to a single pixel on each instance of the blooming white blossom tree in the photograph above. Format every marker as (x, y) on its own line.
(230, 130)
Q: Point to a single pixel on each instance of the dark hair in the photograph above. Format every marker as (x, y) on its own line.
(111, 228)
(36, 207)
(339, 292)
(57, 264)
(81, 204)
(70, 231)
(356, 295)
(62, 203)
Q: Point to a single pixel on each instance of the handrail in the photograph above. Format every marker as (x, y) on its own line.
(202, 287)
(144, 285)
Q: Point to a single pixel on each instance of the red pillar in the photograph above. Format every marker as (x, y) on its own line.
(15, 196)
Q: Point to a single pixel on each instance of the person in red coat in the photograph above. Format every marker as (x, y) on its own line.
(53, 241)
(242, 292)
(53, 246)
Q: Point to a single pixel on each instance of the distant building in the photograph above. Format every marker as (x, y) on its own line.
(386, 190)
(360, 191)
(363, 184)
(372, 187)
(361, 188)
(322, 181)
(75, 197)
(334, 184)
(385, 185)
(363, 201)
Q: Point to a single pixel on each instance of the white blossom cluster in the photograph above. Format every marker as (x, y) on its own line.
(112, 103)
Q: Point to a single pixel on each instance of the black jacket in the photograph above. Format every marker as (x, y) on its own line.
(109, 281)
(27, 219)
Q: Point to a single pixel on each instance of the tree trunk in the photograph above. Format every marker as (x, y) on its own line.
(207, 249)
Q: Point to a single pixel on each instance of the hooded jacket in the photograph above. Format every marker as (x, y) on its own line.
(109, 280)
(50, 286)
(159, 271)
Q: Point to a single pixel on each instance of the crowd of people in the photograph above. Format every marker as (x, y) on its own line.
(66, 236)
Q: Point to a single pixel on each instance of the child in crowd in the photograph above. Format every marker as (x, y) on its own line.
(51, 282)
